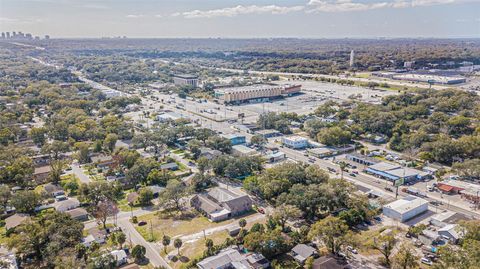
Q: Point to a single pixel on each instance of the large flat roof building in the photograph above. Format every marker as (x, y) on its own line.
(406, 208)
(255, 92)
(185, 79)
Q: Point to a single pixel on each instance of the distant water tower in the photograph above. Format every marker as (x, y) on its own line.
(352, 58)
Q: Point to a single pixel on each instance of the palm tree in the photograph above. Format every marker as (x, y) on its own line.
(165, 242)
(209, 245)
(178, 244)
(343, 166)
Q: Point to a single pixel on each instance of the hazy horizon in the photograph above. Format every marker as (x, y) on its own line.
(312, 19)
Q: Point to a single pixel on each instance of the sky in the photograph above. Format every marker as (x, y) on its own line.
(243, 19)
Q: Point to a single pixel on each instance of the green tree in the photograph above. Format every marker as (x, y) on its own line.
(39, 242)
(334, 136)
(173, 194)
(145, 196)
(38, 135)
(109, 142)
(138, 253)
(332, 231)
(385, 245)
(25, 201)
(284, 213)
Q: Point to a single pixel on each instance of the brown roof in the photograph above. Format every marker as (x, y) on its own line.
(330, 262)
(77, 212)
(15, 220)
(42, 170)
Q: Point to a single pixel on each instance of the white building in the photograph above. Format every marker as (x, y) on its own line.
(295, 142)
(184, 79)
(352, 58)
(405, 208)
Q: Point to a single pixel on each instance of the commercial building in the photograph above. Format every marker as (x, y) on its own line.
(395, 172)
(295, 142)
(255, 93)
(276, 156)
(235, 139)
(324, 151)
(406, 208)
(169, 116)
(361, 159)
(185, 79)
(242, 150)
(268, 133)
(220, 204)
(434, 79)
(468, 191)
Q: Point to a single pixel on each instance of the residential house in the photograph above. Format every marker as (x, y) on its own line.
(15, 220)
(331, 262)
(40, 174)
(302, 252)
(94, 235)
(156, 190)
(209, 153)
(451, 232)
(233, 258)
(53, 190)
(169, 166)
(65, 205)
(220, 204)
(120, 256)
(104, 161)
(79, 214)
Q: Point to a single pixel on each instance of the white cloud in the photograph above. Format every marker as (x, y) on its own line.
(159, 16)
(356, 5)
(239, 10)
(134, 16)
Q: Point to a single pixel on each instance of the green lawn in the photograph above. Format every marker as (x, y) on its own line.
(173, 227)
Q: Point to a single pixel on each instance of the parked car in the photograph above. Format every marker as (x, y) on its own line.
(352, 250)
(426, 261)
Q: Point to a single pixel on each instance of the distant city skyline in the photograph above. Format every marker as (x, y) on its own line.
(243, 19)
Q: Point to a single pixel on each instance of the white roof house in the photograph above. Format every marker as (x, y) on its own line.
(405, 208)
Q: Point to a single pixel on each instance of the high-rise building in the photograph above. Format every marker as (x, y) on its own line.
(3, 35)
(8, 35)
(352, 58)
(47, 37)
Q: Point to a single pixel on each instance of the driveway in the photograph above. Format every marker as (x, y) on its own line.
(78, 172)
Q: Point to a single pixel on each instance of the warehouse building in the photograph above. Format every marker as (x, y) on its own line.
(406, 208)
(255, 93)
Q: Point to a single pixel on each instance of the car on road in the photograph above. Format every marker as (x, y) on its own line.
(352, 174)
(261, 210)
(389, 189)
(142, 223)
